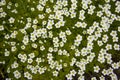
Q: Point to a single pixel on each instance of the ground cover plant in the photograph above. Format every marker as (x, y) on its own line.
(59, 40)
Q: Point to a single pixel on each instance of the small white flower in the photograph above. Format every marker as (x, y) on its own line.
(116, 47)
(34, 45)
(93, 78)
(42, 48)
(115, 65)
(13, 48)
(31, 55)
(99, 13)
(14, 65)
(113, 33)
(6, 53)
(40, 7)
(104, 72)
(55, 73)
(28, 75)
(81, 78)
(17, 74)
(108, 47)
(35, 21)
(96, 69)
(100, 43)
(73, 72)
(41, 70)
(30, 60)
(11, 20)
(69, 77)
(119, 29)
(1, 28)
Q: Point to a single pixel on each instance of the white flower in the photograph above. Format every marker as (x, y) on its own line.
(96, 69)
(81, 72)
(55, 73)
(115, 65)
(79, 37)
(13, 48)
(113, 33)
(74, 6)
(50, 49)
(90, 11)
(101, 58)
(92, 7)
(34, 45)
(78, 24)
(38, 60)
(6, 53)
(7, 36)
(81, 17)
(100, 43)
(76, 43)
(25, 39)
(108, 46)
(116, 47)
(3, 2)
(1, 28)
(42, 48)
(11, 20)
(67, 13)
(69, 77)
(99, 13)
(31, 55)
(115, 39)
(102, 78)
(49, 56)
(73, 72)
(105, 38)
(29, 66)
(82, 12)
(23, 47)
(30, 60)
(119, 29)
(65, 65)
(34, 70)
(93, 78)
(81, 78)
(60, 52)
(65, 3)
(17, 74)
(14, 65)
(55, 40)
(62, 34)
(97, 33)
(41, 70)
(41, 16)
(110, 70)
(28, 75)
(40, 7)
(113, 76)
(85, 6)
(48, 10)
(35, 21)
(77, 53)
(51, 16)
(73, 15)
(61, 23)
(107, 1)
(104, 72)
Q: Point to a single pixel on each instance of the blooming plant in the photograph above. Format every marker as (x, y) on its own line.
(59, 40)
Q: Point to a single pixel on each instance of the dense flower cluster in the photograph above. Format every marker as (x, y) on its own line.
(60, 39)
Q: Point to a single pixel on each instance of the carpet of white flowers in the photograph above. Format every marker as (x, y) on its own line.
(59, 40)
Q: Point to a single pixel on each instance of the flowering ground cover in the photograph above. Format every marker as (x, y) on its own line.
(59, 40)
